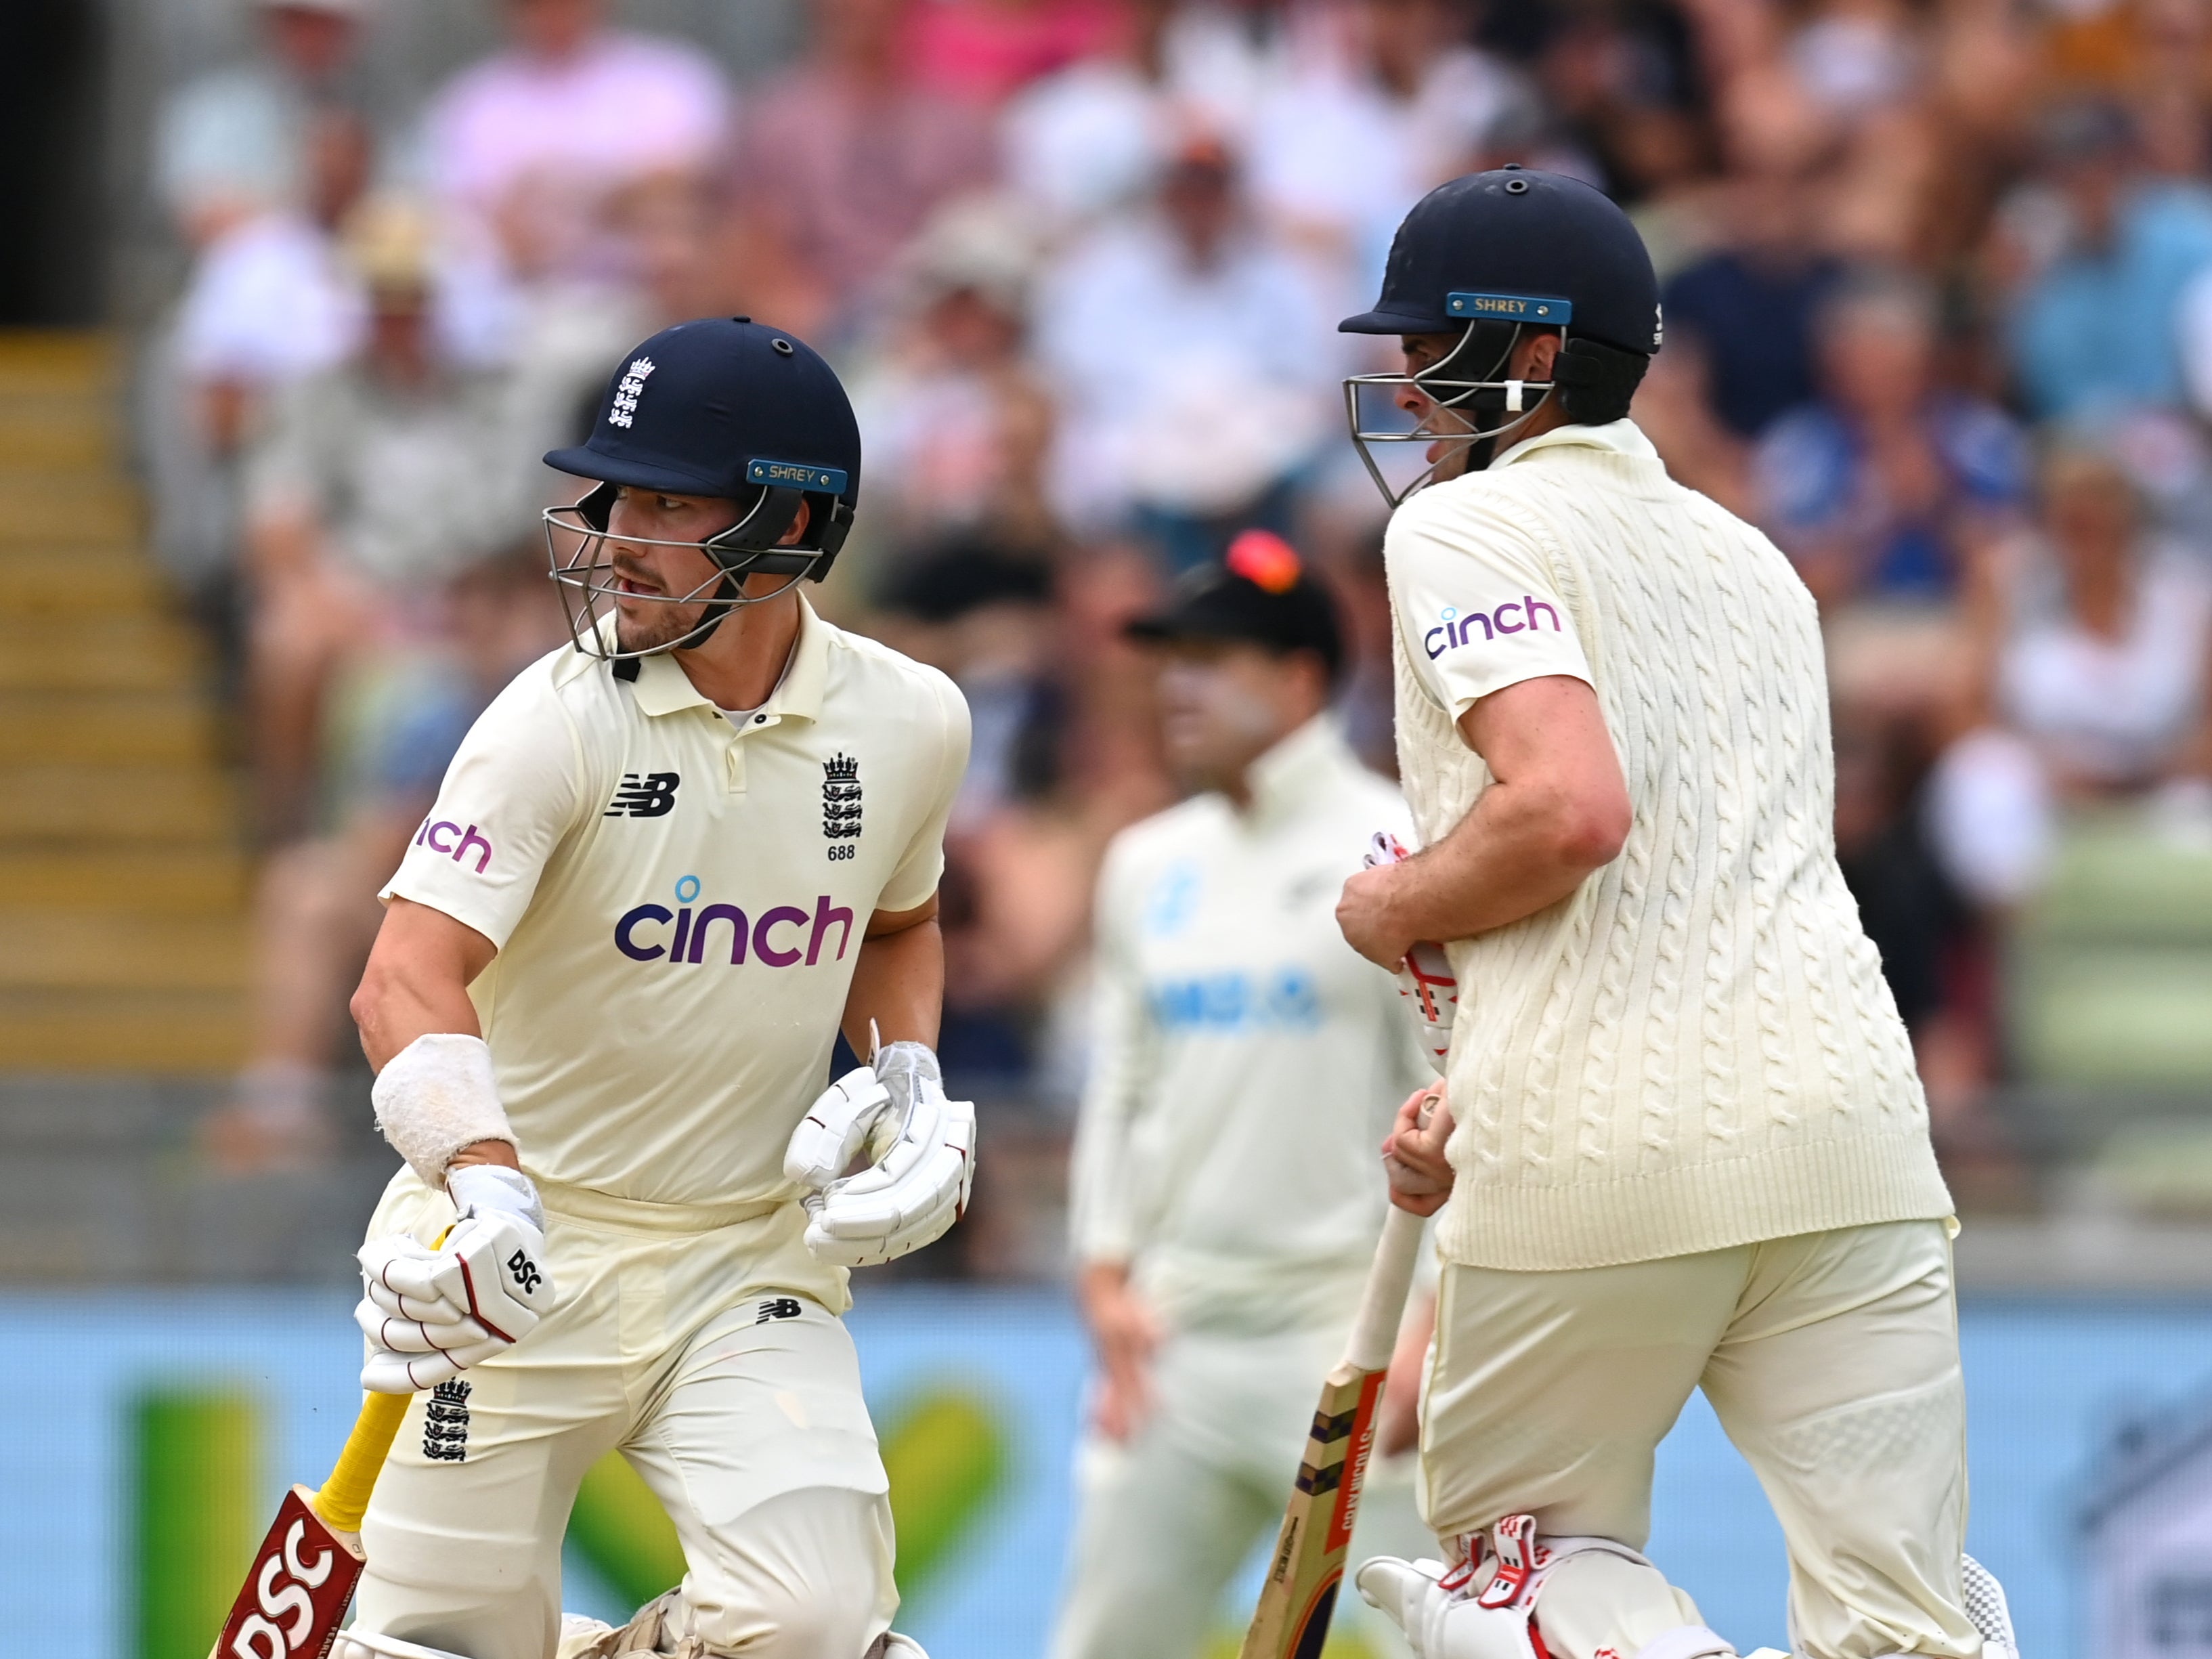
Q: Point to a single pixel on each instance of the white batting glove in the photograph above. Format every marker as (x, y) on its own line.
(430, 1314)
(1425, 980)
(920, 1151)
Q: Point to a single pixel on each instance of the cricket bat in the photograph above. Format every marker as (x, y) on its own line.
(1307, 1569)
(303, 1576)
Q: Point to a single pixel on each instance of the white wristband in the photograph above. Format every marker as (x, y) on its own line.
(436, 1096)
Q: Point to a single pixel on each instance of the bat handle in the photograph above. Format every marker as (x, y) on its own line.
(343, 1499)
(1383, 1304)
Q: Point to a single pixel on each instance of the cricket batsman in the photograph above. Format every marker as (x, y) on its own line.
(1686, 1145)
(664, 869)
(1226, 1194)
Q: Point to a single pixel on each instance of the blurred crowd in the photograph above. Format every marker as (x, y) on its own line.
(1938, 306)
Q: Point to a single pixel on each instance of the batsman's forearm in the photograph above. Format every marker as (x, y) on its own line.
(899, 984)
(390, 1010)
(1522, 849)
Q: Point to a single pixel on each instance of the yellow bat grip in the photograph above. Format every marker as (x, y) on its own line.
(343, 1499)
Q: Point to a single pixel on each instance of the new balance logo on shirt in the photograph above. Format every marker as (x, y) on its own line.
(781, 1307)
(650, 796)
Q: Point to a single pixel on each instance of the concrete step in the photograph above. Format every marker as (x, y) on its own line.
(169, 1033)
(58, 578)
(151, 881)
(117, 805)
(55, 950)
(64, 651)
(106, 512)
(70, 354)
(104, 728)
(59, 433)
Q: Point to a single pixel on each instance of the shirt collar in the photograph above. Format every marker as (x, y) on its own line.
(1622, 437)
(1289, 776)
(662, 687)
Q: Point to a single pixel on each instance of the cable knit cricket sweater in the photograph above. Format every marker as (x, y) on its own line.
(1696, 1048)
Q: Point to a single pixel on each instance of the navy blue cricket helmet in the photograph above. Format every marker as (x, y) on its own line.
(1484, 257)
(726, 407)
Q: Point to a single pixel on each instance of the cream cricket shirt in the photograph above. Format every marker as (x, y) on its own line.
(1248, 1060)
(1696, 1048)
(678, 908)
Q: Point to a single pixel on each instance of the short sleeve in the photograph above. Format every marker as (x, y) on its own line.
(922, 866)
(1474, 601)
(510, 795)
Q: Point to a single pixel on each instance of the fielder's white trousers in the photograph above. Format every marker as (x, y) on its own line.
(709, 1359)
(1831, 1359)
(1164, 1520)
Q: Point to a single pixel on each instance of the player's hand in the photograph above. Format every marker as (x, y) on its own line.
(1127, 1333)
(1414, 1153)
(921, 1152)
(430, 1314)
(1366, 915)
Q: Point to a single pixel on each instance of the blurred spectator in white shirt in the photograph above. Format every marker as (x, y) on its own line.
(956, 425)
(1196, 364)
(840, 162)
(234, 144)
(379, 476)
(2094, 650)
(1385, 101)
(529, 143)
(1094, 136)
(268, 302)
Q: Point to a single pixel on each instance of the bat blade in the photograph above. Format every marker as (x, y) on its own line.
(296, 1593)
(1306, 1571)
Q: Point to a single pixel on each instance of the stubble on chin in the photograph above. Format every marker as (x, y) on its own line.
(661, 626)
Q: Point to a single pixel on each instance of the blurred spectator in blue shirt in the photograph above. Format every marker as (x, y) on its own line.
(1879, 489)
(1748, 304)
(233, 143)
(2107, 252)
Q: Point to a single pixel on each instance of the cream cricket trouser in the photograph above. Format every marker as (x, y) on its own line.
(1831, 1359)
(1164, 1520)
(708, 1358)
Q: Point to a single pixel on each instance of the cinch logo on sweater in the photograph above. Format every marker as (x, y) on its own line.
(1511, 617)
(777, 937)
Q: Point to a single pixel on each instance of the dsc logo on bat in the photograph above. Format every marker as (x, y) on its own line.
(297, 1592)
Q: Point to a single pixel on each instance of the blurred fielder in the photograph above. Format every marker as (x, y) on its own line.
(1226, 1194)
(661, 870)
(1691, 1147)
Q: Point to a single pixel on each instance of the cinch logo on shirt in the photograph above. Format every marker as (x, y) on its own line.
(778, 936)
(1513, 617)
(458, 841)
(1237, 1002)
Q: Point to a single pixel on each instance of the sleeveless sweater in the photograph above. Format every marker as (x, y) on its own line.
(1696, 1049)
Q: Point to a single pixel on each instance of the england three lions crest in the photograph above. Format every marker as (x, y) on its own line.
(840, 803)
